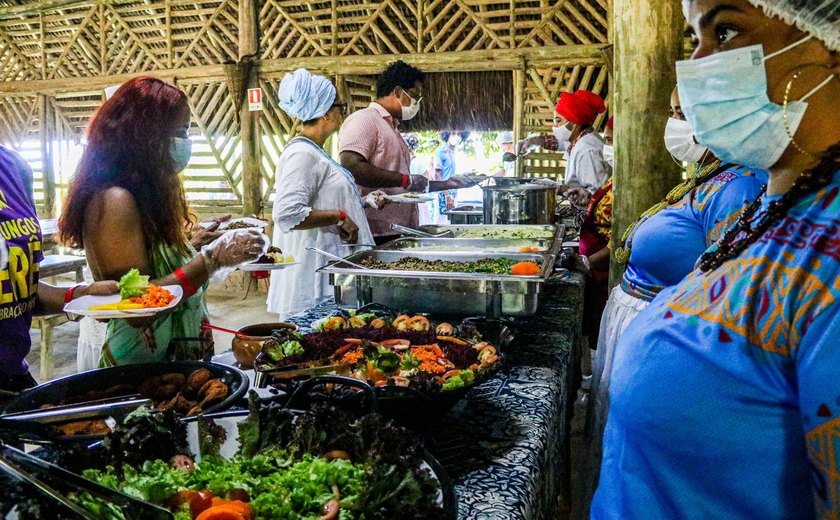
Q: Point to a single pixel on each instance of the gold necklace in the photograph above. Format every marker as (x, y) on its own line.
(622, 254)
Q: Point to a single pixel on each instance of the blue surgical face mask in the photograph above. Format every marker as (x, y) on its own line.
(181, 151)
(724, 97)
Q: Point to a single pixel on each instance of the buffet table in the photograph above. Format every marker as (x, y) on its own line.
(506, 445)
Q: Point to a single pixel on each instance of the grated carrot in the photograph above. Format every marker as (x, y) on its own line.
(154, 297)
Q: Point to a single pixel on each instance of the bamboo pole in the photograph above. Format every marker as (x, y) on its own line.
(250, 131)
(648, 42)
(47, 170)
(518, 109)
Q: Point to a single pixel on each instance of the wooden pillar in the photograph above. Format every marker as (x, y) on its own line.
(518, 109)
(47, 169)
(648, 40)
(250, 132)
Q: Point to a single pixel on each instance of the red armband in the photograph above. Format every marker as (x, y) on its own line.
(185, 283)
(68, 296)
(405, 182)
(342, 216)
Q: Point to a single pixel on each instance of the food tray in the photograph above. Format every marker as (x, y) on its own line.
(503, 231)
(58, 390)
(440, 293)
(467, 245)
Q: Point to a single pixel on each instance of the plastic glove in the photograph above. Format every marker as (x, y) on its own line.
(417, 183)
(376, 199)
(526, 145)
(578, 196)
(234, 248)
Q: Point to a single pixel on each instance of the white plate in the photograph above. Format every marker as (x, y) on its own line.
(266, 267)
(81, 306)
(253, 223)
(402, 199)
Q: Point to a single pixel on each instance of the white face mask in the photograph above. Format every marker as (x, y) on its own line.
(609, 155)
(680, 142)
(455, 140)
(725, 98)
(562, 133)
(411, 110)
(181, 150)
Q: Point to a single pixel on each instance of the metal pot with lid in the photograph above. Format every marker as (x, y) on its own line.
(522, 204)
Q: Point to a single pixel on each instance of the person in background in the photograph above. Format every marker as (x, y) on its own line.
(445, 167)
(372, 149)
(508, 149)
(420, 166)
(660, 249)
(609, 151)
(574, 115)
(318, 203)
(23, 295)
(126, 186)
(723, 398)
(594, 249)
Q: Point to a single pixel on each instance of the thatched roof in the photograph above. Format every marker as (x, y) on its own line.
(480, 101)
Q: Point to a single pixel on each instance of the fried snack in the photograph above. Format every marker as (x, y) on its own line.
(212, 391)
(173, 378)
(148, 388)
(165, 392)
(197, 379)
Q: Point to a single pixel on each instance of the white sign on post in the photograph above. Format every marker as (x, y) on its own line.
(254, 99)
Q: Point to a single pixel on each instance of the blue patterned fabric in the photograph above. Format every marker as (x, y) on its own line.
(725, 395)
(506, 445)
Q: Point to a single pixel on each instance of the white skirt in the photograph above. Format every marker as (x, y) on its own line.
(620, 310)
(92, 336)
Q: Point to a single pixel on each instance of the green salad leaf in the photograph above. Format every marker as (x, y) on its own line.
(133, 284)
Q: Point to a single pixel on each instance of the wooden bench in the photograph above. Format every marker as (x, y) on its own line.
(50, 267)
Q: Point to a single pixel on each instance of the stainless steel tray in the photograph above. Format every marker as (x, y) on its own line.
(441, 293)
(467, 245)
(504, 231)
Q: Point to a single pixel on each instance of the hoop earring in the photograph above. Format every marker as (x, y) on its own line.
(785, 112)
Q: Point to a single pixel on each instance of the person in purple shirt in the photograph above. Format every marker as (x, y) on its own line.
(21, 294)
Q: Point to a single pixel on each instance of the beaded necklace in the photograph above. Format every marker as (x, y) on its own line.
(622, 254)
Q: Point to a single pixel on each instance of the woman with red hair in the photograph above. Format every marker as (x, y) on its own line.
(574, 115)
(126, 207)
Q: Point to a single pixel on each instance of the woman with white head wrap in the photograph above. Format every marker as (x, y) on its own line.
(725, 389)
(317, 203)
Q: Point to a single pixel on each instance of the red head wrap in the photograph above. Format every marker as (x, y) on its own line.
(580, 107)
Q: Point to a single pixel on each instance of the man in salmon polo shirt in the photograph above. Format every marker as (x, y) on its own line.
(371, 147)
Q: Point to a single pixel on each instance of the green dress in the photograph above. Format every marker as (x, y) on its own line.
(127, 344)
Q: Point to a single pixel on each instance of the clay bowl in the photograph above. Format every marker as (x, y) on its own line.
(246, 348)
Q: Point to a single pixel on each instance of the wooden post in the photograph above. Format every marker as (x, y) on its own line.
(648, 40)
(518, 109)
(47, 171)
(250, 134)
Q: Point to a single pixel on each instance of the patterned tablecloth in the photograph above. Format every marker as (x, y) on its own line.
(506, 445)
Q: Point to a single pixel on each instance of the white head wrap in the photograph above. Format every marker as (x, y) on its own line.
(109, 91)
(306, 96)
(819, 18)
(504, 138)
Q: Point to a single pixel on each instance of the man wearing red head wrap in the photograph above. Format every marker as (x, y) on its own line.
(574, 115)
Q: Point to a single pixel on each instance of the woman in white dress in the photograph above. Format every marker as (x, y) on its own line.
(317, 203)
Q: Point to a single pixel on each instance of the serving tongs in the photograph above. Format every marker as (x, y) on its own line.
(318, 367)
(37, 472)
(422, 234)
(335, 257)
(80, 411)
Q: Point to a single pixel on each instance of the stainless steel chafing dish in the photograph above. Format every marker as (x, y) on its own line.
(498, 230)
(468, 245)
(442, 293)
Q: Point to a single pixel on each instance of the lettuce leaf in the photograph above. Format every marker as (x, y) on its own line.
(133, 284)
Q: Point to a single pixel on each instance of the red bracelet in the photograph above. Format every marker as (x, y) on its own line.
(406, 181)
(342, 216)
(68, 296)
(184, 282)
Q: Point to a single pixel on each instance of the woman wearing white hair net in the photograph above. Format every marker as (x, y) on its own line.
(317, 204)
(725, 392)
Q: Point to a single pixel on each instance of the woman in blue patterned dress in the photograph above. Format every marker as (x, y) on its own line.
(724, 392)
(659, 250)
